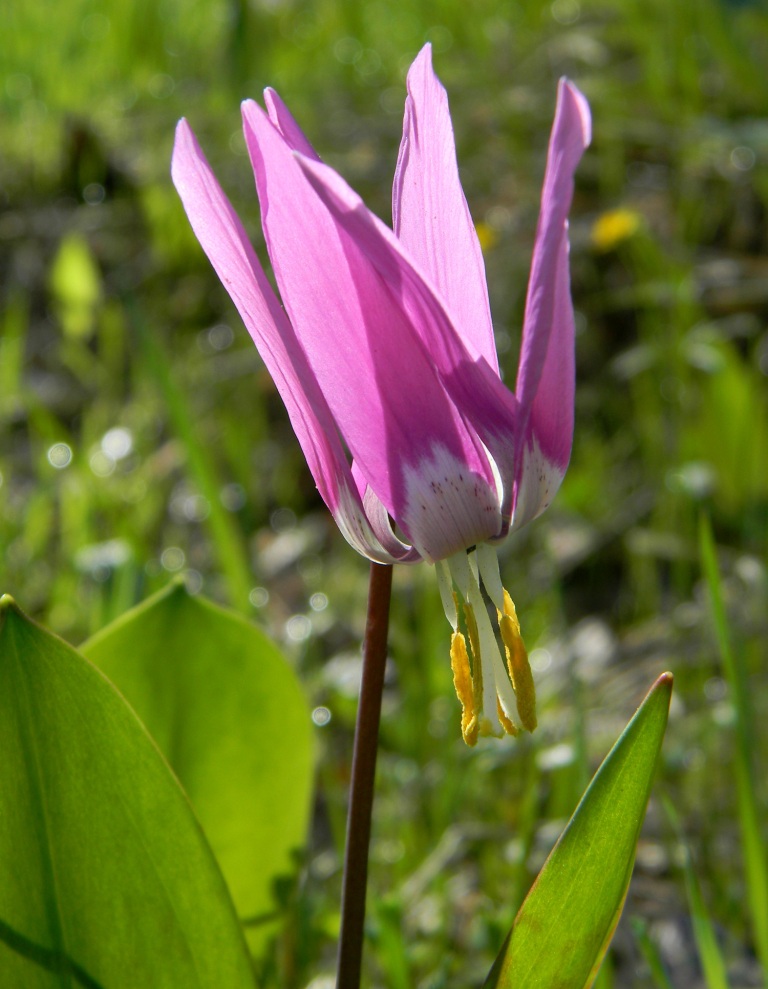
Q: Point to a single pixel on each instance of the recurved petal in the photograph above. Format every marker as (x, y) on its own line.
(545, 380)
(380, 522)
(379, 381)
(430, 214)
(224, 240)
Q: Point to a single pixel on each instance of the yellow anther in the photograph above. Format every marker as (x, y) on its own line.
(518, 665)
(507, 724)
(511, 611)
(486, 728)
(474, 638)
(462, 681)
(477, 666)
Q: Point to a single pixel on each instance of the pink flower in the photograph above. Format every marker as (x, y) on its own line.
(385, 348)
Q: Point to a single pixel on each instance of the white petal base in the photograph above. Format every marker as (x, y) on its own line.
(539, 481)
(448, 507)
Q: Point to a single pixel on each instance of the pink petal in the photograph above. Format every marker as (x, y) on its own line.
(283, 119)
(225, 242)
(381, 524)
(545, 380)
(379, 381)
(471, 382)
(430, 214)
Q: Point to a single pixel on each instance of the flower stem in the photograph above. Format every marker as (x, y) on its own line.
(363, 774)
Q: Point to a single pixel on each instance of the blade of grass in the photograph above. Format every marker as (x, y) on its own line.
(14, 323)
(227, 540)
(710, 956)
(712, 962)
(754, 852)
(392, 948)
(651, 954)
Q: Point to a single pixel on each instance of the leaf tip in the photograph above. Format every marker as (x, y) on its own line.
(666, 681)
(178, 585)
(7, 603)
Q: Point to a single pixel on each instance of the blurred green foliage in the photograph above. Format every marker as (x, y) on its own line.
(140, 435)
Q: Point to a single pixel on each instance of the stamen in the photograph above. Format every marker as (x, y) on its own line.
(491, 694)
(477, 666)
(507, 724)
(488, 562)
(447, 596)
(462, 681)
(474, 638)
(459, 570)
(487, 646)
(472, 561)
(504, 690)
(518, 665)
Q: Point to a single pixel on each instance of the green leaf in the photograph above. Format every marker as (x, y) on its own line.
(228, 713)
(564, 927)
(107, 880)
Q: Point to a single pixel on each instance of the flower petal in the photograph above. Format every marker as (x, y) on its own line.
(379, 381)
(430, 214)
(381, 524)
(545, 380)
(225, 242)
(473, 385)
(283, 119)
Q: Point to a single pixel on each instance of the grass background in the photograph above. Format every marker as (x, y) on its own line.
(140, 435)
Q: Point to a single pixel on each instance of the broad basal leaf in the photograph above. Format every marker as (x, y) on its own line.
(106, 880)
(564, 927)
(228, 713)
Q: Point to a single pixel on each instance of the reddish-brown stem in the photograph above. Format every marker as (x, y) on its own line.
(363, 775)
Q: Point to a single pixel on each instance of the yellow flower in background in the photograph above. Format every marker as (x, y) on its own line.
(487, 235)
(614, 227)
